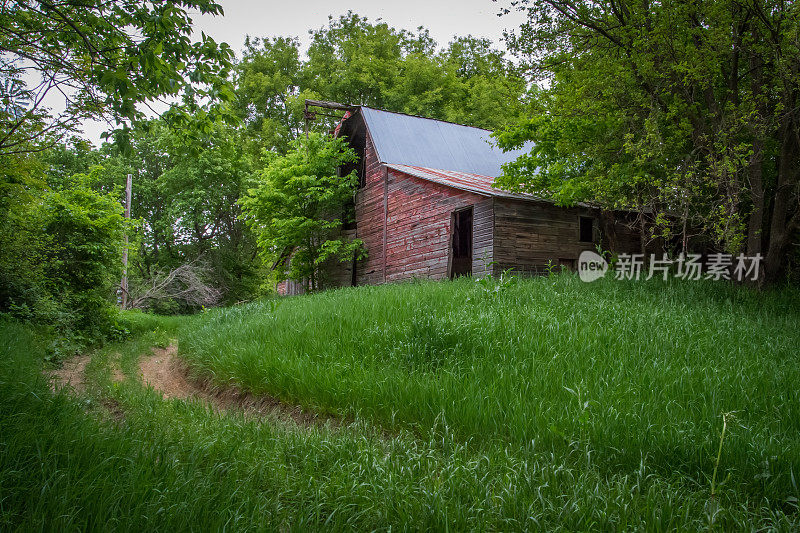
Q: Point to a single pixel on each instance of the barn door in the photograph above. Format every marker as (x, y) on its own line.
(461, 247)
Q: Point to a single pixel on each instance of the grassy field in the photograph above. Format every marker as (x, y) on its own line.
(544, 403)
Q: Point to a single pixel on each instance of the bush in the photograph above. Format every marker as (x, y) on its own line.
(60, 259)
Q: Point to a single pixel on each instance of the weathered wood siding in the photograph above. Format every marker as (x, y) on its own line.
(529, 234)
(419, 228)
(483, 237)
(370, 217)
(411, 217)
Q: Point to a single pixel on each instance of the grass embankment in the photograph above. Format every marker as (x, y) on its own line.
(543, 404)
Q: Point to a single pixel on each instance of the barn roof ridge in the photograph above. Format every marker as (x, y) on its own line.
(422, 117)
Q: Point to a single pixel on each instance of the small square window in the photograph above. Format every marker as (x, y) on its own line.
(586, 229)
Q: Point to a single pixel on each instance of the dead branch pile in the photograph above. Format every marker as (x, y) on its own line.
(185, 284)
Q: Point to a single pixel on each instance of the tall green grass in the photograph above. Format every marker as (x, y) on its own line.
(547, 404)
(609, 377)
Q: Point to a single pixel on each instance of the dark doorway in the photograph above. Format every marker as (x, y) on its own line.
(586, 229)
(461, 251)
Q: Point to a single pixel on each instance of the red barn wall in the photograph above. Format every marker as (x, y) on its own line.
(370, 218)
(288, 287)
(416, 215)
(419, 227)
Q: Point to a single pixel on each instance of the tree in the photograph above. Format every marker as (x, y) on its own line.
(103, 58)
(85, 228)
(686, 110)
(268, 80)
(186, 196)
(296, 205)
(147, 160)
(59, 259)
(489, 91)
(358, 62)
(204, 190)
(355, 61)
(64, 160)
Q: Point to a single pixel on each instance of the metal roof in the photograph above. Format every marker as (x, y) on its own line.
(434, 144)
(465, 181)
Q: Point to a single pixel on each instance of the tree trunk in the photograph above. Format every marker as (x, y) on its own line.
(781, 227)
(642, 233)
(755, 226)
(312, 260)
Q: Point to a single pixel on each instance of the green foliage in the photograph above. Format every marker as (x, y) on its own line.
(85, 229)
(103, 59)
(22, 244)
(677, 110)
(267, 81)
(203, 187)
(61, 230)
(296, 206)
(63, 161)
(186, 196)
(60, 258)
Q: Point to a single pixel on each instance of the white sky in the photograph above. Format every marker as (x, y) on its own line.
(444, 18)
(269, 18)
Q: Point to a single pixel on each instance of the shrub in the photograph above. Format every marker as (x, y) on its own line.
(61, 258)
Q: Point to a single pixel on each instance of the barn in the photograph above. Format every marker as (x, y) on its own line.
(426, 207)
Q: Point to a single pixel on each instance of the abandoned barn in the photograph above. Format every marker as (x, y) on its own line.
(426, 207)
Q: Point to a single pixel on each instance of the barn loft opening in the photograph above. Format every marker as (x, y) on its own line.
(355, 132)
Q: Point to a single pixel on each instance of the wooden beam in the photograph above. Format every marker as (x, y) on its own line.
(385, 216)
(328, 105)
(124, 283)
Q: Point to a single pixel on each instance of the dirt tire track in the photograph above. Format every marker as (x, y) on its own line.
(72, 374)
(117, 376)
(167, 374)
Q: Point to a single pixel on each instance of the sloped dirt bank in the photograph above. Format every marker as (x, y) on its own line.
(167, 374)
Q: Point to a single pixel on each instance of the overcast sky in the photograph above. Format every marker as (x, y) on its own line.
(444, 19)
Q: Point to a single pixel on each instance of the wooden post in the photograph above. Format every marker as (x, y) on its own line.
(124, 284)
(385, 217)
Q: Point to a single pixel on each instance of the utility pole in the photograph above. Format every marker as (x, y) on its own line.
(124, 284)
